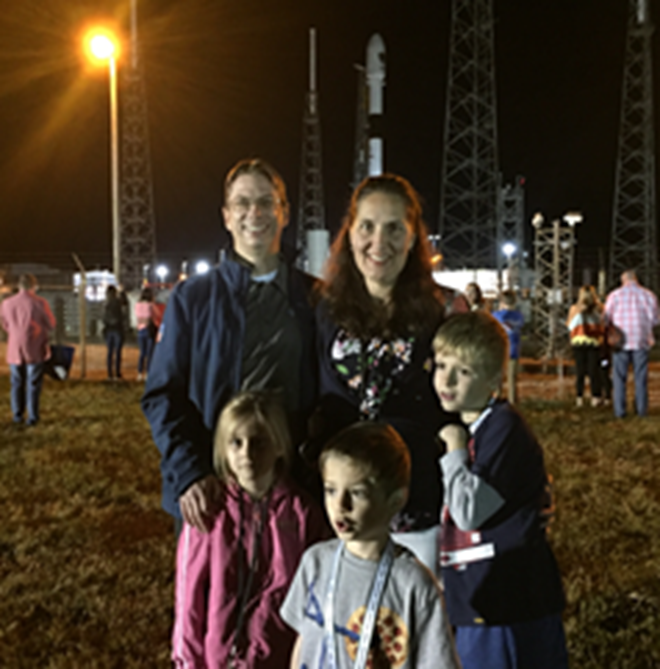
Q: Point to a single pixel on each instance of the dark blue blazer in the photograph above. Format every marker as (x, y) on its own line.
(196, 368)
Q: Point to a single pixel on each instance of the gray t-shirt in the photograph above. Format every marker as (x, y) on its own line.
(412, 630)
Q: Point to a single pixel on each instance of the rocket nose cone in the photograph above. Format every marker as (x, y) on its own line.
(376, 54)
(376, 43)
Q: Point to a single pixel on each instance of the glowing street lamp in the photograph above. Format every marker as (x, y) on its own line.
(509, 248)
(162, 272)
(102, 46)
(573, 218)
(202, 267)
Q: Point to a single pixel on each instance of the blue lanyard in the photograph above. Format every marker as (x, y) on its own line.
(369, 622)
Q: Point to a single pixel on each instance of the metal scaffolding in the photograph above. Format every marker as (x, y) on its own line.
(470, 171)
(311, 211)
(510, 231)
(634, 227)
(553, 283)
(136, 208)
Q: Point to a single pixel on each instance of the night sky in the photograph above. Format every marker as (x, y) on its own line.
(226, 79)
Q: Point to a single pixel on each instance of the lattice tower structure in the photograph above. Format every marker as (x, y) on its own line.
(136, 200)
(510, 225)
(311, 209)
(470, 167)
(633, 243)
(361, 150)
(553, 272)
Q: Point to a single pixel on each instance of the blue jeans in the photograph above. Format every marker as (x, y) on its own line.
(640, 363)
(538, 644)
(146, 344)
(114, 340)
(26, 382)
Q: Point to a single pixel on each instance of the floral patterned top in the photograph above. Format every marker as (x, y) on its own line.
(370, 368)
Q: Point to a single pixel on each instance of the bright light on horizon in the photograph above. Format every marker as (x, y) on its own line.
(202, 267)
(162, 272)
(101, 45)
(509, 248)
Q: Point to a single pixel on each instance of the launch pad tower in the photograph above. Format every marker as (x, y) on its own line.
(634, 227)
(311, 211)
(136, 202)
(470, 171)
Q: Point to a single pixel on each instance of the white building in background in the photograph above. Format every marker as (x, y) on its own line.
(97, 283)
(458, 279)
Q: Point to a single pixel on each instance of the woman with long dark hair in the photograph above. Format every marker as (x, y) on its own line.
(377, 315)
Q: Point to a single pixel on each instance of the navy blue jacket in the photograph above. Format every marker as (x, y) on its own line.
(520, 581)
(196, 368)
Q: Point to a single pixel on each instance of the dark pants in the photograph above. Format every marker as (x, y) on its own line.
(26, 382)
(587, 363)
(537, 644)
(605, 374)
(146, 345)
(114, 340)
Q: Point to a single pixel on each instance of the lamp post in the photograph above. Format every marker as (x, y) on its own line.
(103, 46)
(509, 249)
(161, 272)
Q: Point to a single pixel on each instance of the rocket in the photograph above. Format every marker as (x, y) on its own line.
(375, 85)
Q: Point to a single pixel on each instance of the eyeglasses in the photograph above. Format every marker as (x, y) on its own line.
(242, 205)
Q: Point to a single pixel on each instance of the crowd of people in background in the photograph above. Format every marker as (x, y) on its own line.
(374, 393)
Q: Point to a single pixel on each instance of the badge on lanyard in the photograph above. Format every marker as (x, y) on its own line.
(369, 622)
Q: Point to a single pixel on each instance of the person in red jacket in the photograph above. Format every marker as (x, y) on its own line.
(232, 580)
(28, 320)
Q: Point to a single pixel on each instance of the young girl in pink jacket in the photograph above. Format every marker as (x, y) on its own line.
(231, 581)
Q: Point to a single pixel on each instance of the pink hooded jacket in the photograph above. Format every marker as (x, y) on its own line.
(206, 597)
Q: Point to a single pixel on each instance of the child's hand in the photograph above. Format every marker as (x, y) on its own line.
(455, 436)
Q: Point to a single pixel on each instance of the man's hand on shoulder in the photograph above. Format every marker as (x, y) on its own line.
(455, 436)
(199, 503)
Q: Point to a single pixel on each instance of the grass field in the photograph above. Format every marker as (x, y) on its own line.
(86, 555)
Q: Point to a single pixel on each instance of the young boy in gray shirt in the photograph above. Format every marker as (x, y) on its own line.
(361, 596)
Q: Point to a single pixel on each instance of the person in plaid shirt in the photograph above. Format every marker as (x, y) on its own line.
(634, 310)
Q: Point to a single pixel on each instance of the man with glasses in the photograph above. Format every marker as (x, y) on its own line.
(245, 325)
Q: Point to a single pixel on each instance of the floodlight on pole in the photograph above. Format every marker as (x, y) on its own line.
(161, 272)
(103, 46)
(202, 267)
(538, 220)
(509, 248)
(573, 218)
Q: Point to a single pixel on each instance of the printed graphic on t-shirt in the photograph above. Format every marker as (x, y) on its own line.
(391, 640)
(390, 631)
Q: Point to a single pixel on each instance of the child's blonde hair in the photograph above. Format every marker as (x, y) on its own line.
(261, 408)
(477, 338)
